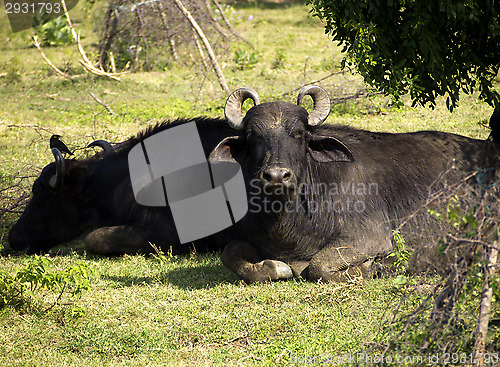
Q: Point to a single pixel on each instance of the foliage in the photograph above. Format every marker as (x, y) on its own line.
(28, 285)
(454, 215)
(428, 48)
(445, 322)
(430, 329)
(54, 33)
(401, 254)
(245, 60)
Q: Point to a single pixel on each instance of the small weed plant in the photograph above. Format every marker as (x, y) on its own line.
(40, 285)
(245, 60)
(161, 257)
(401, 253)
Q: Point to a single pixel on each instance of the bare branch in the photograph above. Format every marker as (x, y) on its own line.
(171, 41)
(314, 82)
(86, 62)
(485, 309)
(34, 40)
(200, 50)
(206, 43)
(111, 112)
(223, 15)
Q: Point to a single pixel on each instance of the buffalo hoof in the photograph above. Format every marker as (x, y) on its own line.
(279, 269)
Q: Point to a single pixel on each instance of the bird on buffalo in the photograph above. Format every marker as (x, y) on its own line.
(55, 142)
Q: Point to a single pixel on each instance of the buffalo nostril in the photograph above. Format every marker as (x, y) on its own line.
(277, 175)
(267, 176)
(287, 175)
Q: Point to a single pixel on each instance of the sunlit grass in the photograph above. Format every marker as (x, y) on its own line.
(193, 310)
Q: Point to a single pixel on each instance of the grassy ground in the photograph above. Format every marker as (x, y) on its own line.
(189, 310)
(192, 310)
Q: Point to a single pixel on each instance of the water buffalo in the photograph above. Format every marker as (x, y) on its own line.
(72, 197)
(324, 200)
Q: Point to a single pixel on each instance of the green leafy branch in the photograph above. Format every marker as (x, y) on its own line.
(28, 286)
(401, 253)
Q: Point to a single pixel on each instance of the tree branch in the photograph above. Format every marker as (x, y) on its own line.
(34, 39)
(206, 43)
(485, 309)
(111, 112)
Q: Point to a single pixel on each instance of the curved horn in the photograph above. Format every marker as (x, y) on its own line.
(56, 180)
(108, 149)
(234, 102)
(321, 101)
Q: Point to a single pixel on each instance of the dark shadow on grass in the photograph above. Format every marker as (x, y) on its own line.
(194, 276)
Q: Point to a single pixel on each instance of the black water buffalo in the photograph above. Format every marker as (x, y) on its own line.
(326, 199)
(72, 197)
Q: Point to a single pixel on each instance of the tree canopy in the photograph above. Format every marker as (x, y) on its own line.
(427, 48)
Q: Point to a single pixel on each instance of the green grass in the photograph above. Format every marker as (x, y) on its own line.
(191, 310)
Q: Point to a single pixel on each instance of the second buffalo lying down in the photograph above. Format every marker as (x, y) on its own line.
(94, 197)
(323, 200)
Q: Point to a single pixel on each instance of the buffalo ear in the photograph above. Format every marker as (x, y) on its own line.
(74, 179)
(326, 149)
(230, 149)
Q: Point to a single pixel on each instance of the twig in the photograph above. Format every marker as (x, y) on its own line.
(86, 62)
(213, 20)
(111, 112)
(434, 197)
(197, 28)
(467, 240)
(35, 127)
(200, 50)
(315, 81)
(414, 314)
(359, 94)
(485, 309)
(34, 39)
(223, 15)
(57, 300)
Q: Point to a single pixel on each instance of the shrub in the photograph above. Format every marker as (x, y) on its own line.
(40, 282)
(428, 48)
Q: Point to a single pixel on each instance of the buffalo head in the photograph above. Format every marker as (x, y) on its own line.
(280, 140)
(59, 209)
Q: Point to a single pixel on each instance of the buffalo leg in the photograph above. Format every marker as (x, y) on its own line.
(118, 240)
(338, 264)
(244, 261)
